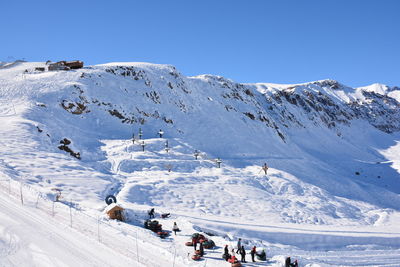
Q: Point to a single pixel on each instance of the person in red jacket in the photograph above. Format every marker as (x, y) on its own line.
(252, 253)
(233, 259)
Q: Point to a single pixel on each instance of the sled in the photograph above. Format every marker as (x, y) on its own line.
(208, 244)
(236, 264)
(196, 257)
(162, 234)
(189, 244)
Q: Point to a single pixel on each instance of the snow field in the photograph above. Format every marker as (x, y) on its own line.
(311, 206)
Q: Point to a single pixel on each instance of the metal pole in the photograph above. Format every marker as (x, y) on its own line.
(53, 209)
(98, 228)
(37, 200)
(137, 248)
(173, 264)
(22, 197)
(70, 212)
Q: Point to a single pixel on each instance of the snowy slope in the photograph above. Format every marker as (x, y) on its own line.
(333, 153)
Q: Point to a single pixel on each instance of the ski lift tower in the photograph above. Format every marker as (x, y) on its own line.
(196, 154)
(140, 133)
(143, 145)
(161, 133)
(218, 161)
(167, 146)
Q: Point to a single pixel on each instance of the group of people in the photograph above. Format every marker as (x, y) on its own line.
(231, 257)
(241, 251)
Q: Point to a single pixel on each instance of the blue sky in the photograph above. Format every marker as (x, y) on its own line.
(354, 41)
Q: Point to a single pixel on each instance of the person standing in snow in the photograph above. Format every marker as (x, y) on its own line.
(253, 253)
(243, 254)
(226, 251)
(288, 262)
(239, 245)
(226, 254)
(151, 213)
(175, 228)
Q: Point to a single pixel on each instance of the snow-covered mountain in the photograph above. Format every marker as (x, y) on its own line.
(333, 150)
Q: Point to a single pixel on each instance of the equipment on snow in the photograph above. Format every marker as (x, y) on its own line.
(111, 199)
(262, 256)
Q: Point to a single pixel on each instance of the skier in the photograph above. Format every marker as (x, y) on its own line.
(239, 245)
(243, 254)
(265, 168)
(252, 253)
(151, 213)
(175, 228)
(160, 132)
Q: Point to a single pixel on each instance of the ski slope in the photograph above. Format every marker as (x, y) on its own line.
(330, 198)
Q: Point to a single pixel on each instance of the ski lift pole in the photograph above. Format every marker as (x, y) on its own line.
(143, 145)
(218, 161)
(22, 197)
(166, 146)
(140, 133)
(161, 133)
(137, 248)
(70, 212)
(173, 263)
(98, 228)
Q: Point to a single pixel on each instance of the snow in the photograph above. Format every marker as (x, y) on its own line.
(330, 198)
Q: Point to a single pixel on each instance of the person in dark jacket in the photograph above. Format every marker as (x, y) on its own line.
(253, 253)
(243, 254)
(226, 254)
(226, 250)
(194, 241)
(288, 263)
(201, 249)
(151, 213)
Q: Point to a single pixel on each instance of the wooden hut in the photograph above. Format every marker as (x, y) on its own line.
(76, 64)
(115, 212)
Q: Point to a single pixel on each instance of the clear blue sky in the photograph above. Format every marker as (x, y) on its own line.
(354, 41)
